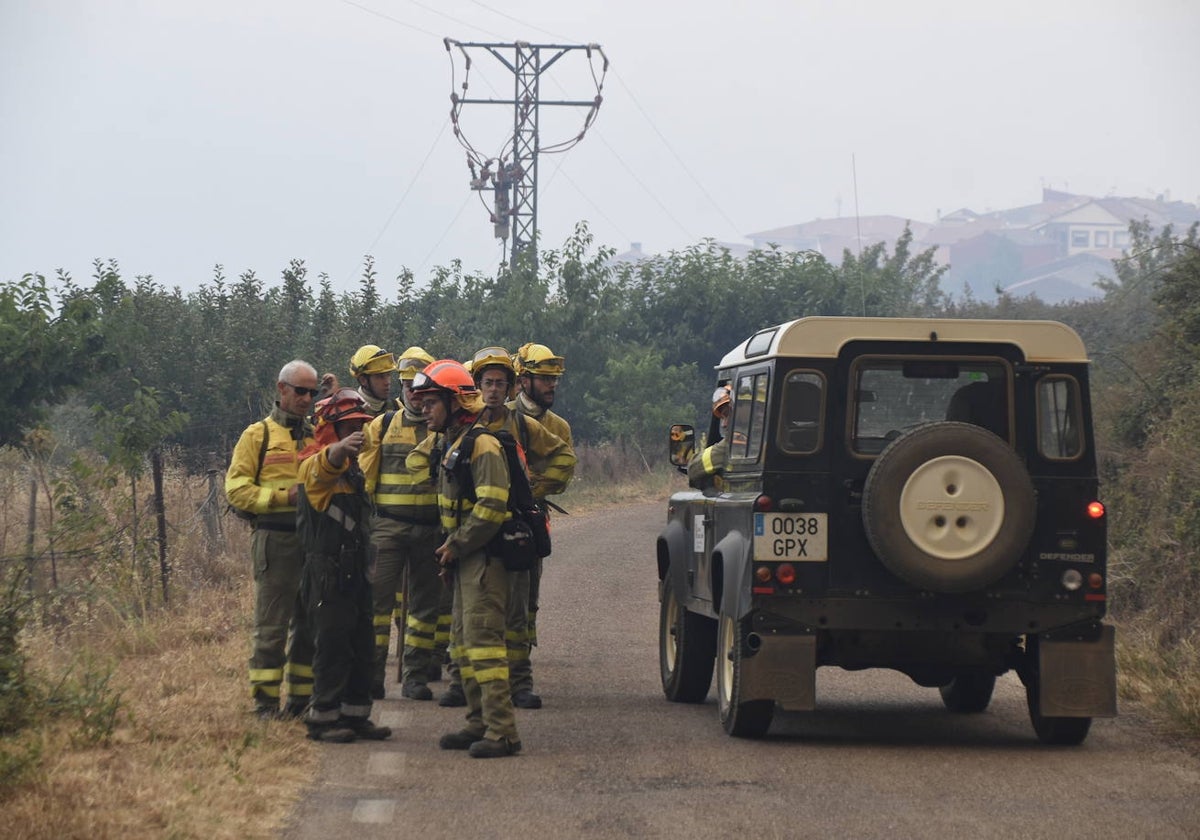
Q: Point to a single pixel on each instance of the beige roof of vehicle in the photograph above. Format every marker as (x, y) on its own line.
(823, 337)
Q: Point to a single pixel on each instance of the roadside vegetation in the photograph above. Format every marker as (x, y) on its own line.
(124, 634)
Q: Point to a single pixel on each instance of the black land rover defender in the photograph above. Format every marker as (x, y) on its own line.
(913, 494)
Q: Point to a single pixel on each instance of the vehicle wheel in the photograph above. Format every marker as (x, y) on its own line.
(948, 507)
(968, 693)
(750, 719)
(686, 650)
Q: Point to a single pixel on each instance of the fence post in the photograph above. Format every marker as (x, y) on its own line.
(211, 511)
(160, 512)
(31, 528)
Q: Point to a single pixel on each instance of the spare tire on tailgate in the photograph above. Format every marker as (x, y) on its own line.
(948, 507)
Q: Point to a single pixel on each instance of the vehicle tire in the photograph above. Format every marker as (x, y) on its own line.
(750, 719)
(968, 693)
(948, 507)
(686, 649)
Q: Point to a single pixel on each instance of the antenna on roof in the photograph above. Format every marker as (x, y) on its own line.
(862, 284)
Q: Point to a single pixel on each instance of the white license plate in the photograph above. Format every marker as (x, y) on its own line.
(797, 537)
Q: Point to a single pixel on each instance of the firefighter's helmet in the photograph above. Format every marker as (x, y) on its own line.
(720, 401)
(370, 359)
(539, 360)
(345, 404)
(492, 356)
(444, 375)
(412, 361)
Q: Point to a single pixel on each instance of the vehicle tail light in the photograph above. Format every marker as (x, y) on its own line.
(764, 504)
(1095, 510)
(1072, 580)
(786, 574)
(1095, 580)
(763, 574)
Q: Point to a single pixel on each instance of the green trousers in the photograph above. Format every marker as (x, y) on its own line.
(477, 642)
(409, 593)
(282, 643)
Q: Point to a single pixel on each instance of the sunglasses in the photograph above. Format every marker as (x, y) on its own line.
(304, 392)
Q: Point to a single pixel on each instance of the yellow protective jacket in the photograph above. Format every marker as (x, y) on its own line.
(707, 467)
(549, 458)
(267, 497)
(403, 503)
(470, 524)
(559, 469)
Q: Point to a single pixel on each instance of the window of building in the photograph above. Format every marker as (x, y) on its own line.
(1121, 239)
(1080, 238)
(1101, 239)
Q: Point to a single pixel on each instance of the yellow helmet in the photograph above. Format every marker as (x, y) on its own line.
(370, 359)
(491, 356)
(539, 360)
(412, 361)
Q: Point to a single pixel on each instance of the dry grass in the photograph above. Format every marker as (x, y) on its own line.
(606, 473)
(186, 758)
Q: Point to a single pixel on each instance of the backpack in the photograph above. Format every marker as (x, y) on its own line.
(524, 538)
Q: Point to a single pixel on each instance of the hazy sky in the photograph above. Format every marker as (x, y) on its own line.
(173, 135)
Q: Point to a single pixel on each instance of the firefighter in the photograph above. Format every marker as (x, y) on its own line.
(404, 532)
(473, 503)
(551, 465)
(372, 367)
(262, 484)
(707, 467)
(331, 518)
(539, 373)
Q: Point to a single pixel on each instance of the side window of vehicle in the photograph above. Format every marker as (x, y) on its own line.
(1059, 419)
(749, 417)
(800, 413)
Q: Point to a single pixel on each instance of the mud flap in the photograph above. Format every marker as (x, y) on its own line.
(1078, 678)
(784, 669)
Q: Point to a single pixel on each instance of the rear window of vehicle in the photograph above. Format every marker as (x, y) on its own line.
(800, 412)
(893, 395)
(1060, 418)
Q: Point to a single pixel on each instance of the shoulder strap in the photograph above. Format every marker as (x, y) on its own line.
(520, 496)
(388, 417)
(262, 450)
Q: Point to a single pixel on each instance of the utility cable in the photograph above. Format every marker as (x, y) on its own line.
(405, 24)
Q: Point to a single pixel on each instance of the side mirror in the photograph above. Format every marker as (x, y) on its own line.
(682, 445)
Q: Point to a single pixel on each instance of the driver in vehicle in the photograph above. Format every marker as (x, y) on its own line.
(707, 467)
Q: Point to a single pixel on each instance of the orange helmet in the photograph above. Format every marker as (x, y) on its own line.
(444, 375)
(720, 399)
(344, 404)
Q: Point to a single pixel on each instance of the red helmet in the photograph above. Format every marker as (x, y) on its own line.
(345, 404)
(444, 375)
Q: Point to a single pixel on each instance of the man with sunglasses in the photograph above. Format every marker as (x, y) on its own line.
(262, 482)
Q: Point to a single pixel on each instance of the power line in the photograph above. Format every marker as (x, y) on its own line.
(412, 182)
(675, 155)
(405, 24)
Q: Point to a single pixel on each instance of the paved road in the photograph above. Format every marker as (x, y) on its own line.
(609, 757)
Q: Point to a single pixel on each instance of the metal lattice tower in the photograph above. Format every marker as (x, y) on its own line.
(511, 176)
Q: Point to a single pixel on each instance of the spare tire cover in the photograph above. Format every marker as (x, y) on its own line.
(949, 507)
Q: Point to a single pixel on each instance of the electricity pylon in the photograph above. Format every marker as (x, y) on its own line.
(511, 176)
